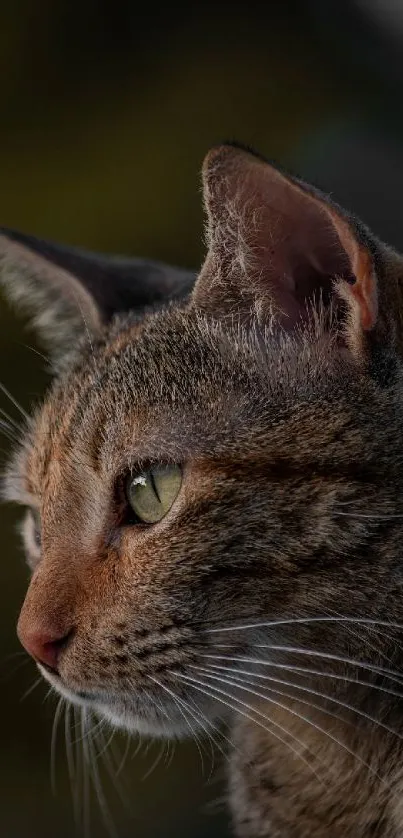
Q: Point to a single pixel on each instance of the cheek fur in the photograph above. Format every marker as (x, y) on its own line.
(29, 536)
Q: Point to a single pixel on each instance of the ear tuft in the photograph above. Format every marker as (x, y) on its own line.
(69, 292)
(56, 301)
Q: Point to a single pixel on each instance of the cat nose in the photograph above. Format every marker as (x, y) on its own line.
(43, 646)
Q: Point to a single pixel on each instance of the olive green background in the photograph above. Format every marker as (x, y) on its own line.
(106, 112)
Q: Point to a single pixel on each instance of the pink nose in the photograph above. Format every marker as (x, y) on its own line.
(44, 647)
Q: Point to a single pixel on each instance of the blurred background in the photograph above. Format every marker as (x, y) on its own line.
(106, 113)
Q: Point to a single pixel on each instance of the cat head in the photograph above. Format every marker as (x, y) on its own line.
(219, 472)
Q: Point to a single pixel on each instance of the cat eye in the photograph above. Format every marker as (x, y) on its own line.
(151, 493)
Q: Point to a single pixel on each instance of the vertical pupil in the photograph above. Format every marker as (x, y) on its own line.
(154, 486)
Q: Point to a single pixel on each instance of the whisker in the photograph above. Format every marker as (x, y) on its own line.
(379, 670)
(352, 631)
(125, 755)
(202, 722)
(70, 762)
(13, 425)
(311, 691)
(31, 688)
(297, 620)
(251, 681)
(92, 760)
(36, 352)
(98, 728)
(138, 748)
(84, 319)
(180, 703)
(154, 701)
(48, 694)
(110, 768)
(155, 763)
(326, 733)
(305, 671)
(205, 725)
(14, 402)
(378, 517)
(53, 743)
(16, 668)
(240, 683)
(79, 768)
(209, 733)
(196, 681)
(100, 724)
(86, 776)
(171, 748)
(8, 432)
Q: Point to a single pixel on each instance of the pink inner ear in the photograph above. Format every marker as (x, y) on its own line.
(303, 258)
(364, 290)
(365, 293)
(277, 245)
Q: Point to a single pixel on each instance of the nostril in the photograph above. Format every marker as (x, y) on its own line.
(52, 650)
(45, 647)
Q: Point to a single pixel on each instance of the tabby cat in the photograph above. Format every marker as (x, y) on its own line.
(213, 495)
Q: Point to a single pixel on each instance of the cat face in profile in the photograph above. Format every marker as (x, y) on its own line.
(217, 465)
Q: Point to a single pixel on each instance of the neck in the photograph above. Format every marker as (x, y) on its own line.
(313, 768)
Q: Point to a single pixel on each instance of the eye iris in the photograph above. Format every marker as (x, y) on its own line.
(151, 493)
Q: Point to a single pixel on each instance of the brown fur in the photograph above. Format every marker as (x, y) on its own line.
(291, 440)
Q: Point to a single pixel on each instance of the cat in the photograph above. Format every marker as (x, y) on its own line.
(213, 495)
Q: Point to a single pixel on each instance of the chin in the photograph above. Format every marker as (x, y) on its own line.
(132, 713)
(60, 687)
(146, 721)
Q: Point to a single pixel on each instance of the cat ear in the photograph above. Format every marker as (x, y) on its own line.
(71, 292)
(277, 247)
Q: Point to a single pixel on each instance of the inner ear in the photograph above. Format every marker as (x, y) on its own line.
(308, 266)
(277, 246)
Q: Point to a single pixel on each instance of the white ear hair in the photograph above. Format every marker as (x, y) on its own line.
(58, 303)
(69, 292)
(278, 246)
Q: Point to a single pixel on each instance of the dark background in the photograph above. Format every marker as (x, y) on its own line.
(106, 113)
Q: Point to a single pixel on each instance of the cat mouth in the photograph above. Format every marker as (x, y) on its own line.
(71, 694)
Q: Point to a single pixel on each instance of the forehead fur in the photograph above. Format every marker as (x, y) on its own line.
(178, 385)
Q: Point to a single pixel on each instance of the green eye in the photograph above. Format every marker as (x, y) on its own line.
(151, 493)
